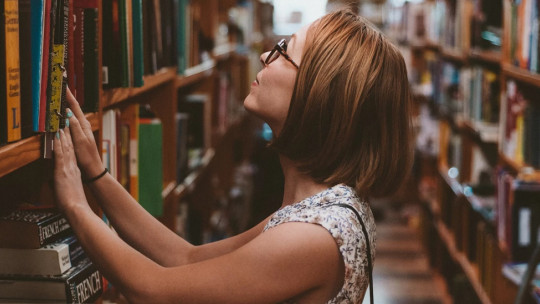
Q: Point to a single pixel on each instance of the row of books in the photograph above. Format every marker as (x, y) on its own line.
(520, 125)
(50, 45)
(524, 31)
(132, 146)
(40, 54)
(141, 37)
(41, 260)
(518, 214)
(437, 22)
(454, 25)
(468, 93)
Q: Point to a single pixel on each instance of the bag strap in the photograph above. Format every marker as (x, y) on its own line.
(370, 264)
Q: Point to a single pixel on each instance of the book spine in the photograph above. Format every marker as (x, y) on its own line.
(57, 60)
(45, 64)
(37, 14)
(70, 61)
(51, 83)
(25, 55)
(78, 52)
(53, 229)
(65, 65)
(65, 9)
(122, 14)
(181, 37)
(150, 166)
(138, 60)
(13, 84)
(86, 286)
(91, 64)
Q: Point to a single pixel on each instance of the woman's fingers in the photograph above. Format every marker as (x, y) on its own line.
(74, 105)
(57, 148)
(75, 127)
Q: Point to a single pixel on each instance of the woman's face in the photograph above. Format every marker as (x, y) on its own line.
(271, 91)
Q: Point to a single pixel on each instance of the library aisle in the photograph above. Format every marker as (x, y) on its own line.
(402, 274)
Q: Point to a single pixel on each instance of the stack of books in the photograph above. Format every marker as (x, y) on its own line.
(41, 260)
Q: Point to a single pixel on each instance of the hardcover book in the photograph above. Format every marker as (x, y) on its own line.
(150, 165)
(37, 24)
(52, 259)
(80, 284)
(32, 228)
(10, 92)
(25, 55)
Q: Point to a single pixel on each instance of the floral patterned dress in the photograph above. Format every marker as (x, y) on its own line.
(344, 227)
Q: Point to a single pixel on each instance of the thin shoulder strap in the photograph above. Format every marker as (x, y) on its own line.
(370, 264)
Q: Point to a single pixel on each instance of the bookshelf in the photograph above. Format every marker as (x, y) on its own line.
(469, 65)
(214, 65)
(25, 151)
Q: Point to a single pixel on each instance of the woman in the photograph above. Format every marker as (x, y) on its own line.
(336, 96)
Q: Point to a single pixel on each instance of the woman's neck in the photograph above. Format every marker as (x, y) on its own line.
(298, 185)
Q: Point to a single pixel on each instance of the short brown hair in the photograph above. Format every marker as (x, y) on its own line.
(349, 119)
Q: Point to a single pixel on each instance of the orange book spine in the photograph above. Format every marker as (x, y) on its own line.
(13, 82)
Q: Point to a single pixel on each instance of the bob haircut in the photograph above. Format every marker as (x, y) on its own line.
(349, 119)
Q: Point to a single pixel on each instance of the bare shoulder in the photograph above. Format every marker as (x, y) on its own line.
(292, 260)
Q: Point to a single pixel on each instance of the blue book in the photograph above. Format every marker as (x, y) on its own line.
(37, 12)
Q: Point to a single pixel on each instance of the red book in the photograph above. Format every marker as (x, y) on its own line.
(71, 50)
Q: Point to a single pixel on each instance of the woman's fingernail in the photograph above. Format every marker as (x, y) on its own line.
(58, 135)
(67, 122)
(69, 113)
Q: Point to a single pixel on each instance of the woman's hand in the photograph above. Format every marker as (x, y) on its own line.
(67, 176)
(83, 139)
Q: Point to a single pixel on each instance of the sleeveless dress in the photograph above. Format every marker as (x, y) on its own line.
(344, 227)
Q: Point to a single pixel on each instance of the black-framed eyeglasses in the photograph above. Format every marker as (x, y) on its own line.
(279, 49)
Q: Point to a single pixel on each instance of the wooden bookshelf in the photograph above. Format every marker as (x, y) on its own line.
(112, 97)
(521, 74)
(21, 153)
(510, 162)
(468, 269)
(195, 74)
(453, 183)
(492, 57)
(454, 55)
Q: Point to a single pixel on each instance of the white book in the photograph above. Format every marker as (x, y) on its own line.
(53, 259)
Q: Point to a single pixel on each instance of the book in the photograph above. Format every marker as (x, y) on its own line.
(112, 54)
(10, 92)
(90, 55)
(150, 165)
(525, 219)
(181, 120)
(37, 24)
(47, 19)
(57, 87)
(53, 259)
(25, 55)
(80, 284)
(515, 272)
(138, 43)
(32, 228)
(109, 142)
(130, 117)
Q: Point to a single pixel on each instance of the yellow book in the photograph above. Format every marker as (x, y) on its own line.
(13, 82)
(53, 119)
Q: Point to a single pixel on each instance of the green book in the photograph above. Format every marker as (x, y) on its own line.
(138, 53)
(151, 165)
